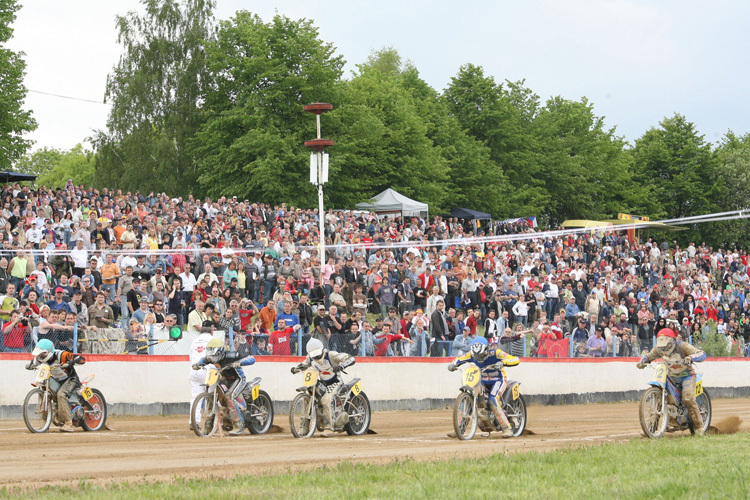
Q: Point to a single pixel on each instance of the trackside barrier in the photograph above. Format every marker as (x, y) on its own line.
(158, 384)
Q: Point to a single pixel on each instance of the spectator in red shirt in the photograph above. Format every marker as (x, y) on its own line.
(381, 349)
(15, 332)
(278, 342)
(471, 321)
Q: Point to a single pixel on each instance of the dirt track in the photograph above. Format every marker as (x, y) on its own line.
(140, 448)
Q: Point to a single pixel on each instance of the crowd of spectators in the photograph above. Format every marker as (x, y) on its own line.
(389, 286)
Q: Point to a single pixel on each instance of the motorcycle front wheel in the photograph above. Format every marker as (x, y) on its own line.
(464, 417)
(302, 417)
(37, 410)
(516, 413)
(95, 418)
(704, 405)
(261, 414)
(358, 409)
(652, 416)
(203, 414)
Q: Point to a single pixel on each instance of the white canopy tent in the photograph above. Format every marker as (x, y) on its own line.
(390, 201)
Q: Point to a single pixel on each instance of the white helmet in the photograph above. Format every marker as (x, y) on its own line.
(315, 349)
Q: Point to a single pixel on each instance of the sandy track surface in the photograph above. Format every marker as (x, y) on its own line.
(161, 448)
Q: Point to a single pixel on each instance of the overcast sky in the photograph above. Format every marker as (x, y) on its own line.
(637, 61)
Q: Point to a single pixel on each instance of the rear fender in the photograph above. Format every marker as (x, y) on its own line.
(507, 396)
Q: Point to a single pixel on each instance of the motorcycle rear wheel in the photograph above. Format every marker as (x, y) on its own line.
(464, 417)
(358, 409)
(261, 414)
(203, 414)
(302, 418)
(653, 424)
(37, 411)
(516, 413)
(96, 418)
(704, 404)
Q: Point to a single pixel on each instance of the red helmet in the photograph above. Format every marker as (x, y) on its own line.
(667, 332)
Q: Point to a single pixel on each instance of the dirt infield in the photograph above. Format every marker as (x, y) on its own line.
(161, 448)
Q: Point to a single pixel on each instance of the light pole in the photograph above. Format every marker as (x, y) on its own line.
(319, 173)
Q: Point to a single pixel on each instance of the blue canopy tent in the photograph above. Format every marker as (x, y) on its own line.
(466, 213)
(8, 176)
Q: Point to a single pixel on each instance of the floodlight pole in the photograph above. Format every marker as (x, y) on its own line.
(319, 174)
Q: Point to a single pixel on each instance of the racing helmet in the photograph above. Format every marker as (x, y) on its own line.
(480, 349)
(666, 339)
(43, 350)
(214, 350)
(315, 349)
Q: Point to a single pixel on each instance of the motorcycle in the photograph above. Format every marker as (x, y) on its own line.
(351, 408)
(471, 408)
(661, 409)
(209, 414)
(88, 408)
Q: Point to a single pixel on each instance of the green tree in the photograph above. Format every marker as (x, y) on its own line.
(76, 164)
(156, 90)
(14, 120)
(587, 172)
(39, 162)
(472, 175)
(679, 166)
(732, 190)
(383, 141)
(263, 74)
(502, 118)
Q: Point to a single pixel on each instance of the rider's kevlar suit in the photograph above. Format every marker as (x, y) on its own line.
(329, 378)
(681, 376)
(236, 384)
(493, 378)
(63, 380)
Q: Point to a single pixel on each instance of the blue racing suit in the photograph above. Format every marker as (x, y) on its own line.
(493, 377)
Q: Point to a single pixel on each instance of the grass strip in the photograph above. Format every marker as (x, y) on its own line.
(680, 467)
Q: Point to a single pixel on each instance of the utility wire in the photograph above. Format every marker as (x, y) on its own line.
(69, 97)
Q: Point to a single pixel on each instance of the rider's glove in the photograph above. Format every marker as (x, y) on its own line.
(295, 369)
(687, 361)
(30, 366)
(641, 365)
(338, 368)
(236, 364)
(197, 366)
(452, 367)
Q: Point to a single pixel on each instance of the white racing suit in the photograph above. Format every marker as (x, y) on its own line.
(197, 377)
(329, 378)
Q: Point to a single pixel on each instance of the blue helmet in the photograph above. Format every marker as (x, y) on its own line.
(480, 349)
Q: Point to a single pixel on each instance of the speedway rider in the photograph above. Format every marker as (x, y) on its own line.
(491, 363)
(197, 352)
(679, 357)
(217, 355)
(329, 364)
(63, 377)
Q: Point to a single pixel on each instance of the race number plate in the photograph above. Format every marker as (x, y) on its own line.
(357, 388)
(471, 376)
(42, 373)
(256, 391)
(310, 378)
(516, 392)
(698, 388)
(661, 374)
(87, 393)
(212, 376)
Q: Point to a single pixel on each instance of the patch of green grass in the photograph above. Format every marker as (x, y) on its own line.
(683, 467)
